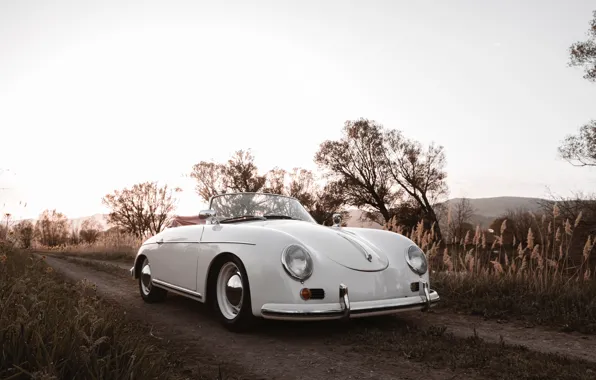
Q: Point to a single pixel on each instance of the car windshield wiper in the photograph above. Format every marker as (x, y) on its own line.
(243, 217)
(277, 216)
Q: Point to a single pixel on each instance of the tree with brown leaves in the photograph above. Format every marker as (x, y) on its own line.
(275, 181)
(143, 210)
(52, 228)
(321, 202)
(90, 230)
(210, 179)
(24, 233)
(356, 167)
(239, 174)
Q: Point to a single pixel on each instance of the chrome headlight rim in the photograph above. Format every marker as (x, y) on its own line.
(286, 266)
(418, 271)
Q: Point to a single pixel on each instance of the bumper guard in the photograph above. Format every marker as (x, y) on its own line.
(348, 310)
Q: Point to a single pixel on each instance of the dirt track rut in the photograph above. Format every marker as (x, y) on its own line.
(273, 351)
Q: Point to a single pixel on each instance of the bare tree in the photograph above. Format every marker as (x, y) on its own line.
(583, 53)
(210, 179)
(356, 164)
(24, 233)
(52, 228)
(90, 230)
(241, 173)
(459, 225)
(520, 221)
(321, 202)
(580, 149)
(143, 210)
(275, 181)
(419, 172)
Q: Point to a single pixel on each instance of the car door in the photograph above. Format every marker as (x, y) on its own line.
(178, 255)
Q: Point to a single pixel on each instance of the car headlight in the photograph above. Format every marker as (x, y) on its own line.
(416, 260)
(297, 262)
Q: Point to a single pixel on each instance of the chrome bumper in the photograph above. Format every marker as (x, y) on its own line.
(132, 272)
(428, 298)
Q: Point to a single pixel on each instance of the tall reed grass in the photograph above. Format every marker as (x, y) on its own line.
(540, 280)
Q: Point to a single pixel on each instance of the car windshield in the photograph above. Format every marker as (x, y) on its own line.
(270, 206)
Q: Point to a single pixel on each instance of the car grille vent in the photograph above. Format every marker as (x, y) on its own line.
(317, 294)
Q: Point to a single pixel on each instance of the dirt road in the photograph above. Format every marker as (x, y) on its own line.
(278, 350)
(272, 352)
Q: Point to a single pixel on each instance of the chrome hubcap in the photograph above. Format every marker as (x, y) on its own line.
(146, 277)
(230, 293)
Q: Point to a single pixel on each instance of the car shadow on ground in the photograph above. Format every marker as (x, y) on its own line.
(296, 330)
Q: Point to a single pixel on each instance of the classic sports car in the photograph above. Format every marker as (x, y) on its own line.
(263, 255)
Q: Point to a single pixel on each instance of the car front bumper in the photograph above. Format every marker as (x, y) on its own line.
(344, 309)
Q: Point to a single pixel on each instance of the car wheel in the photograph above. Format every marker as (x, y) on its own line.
(149, 292)
(232, 296)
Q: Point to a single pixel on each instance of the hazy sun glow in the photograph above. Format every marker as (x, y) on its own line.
(96, 96)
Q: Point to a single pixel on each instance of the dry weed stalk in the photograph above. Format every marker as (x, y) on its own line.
(545, 258)
(113, 245)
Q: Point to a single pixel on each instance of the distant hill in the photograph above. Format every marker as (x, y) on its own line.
(488, 209)
(493, 207)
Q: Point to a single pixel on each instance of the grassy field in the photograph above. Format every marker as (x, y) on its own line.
(52, 329)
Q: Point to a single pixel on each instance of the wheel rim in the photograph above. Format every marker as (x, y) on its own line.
(230, 292)
(146, 277)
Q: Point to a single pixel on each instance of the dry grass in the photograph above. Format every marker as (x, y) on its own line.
(114, 246)
(55, 330)
(537, 280)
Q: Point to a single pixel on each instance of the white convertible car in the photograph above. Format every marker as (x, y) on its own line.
(263, 255)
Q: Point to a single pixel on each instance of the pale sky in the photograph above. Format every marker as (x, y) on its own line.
(97, 96)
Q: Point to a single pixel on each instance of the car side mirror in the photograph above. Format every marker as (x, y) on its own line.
(336, 220)
(208, 215)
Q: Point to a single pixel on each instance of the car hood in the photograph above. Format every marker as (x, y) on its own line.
(341, 246)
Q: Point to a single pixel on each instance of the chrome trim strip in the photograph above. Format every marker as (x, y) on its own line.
(178, 289)
(226, 242)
